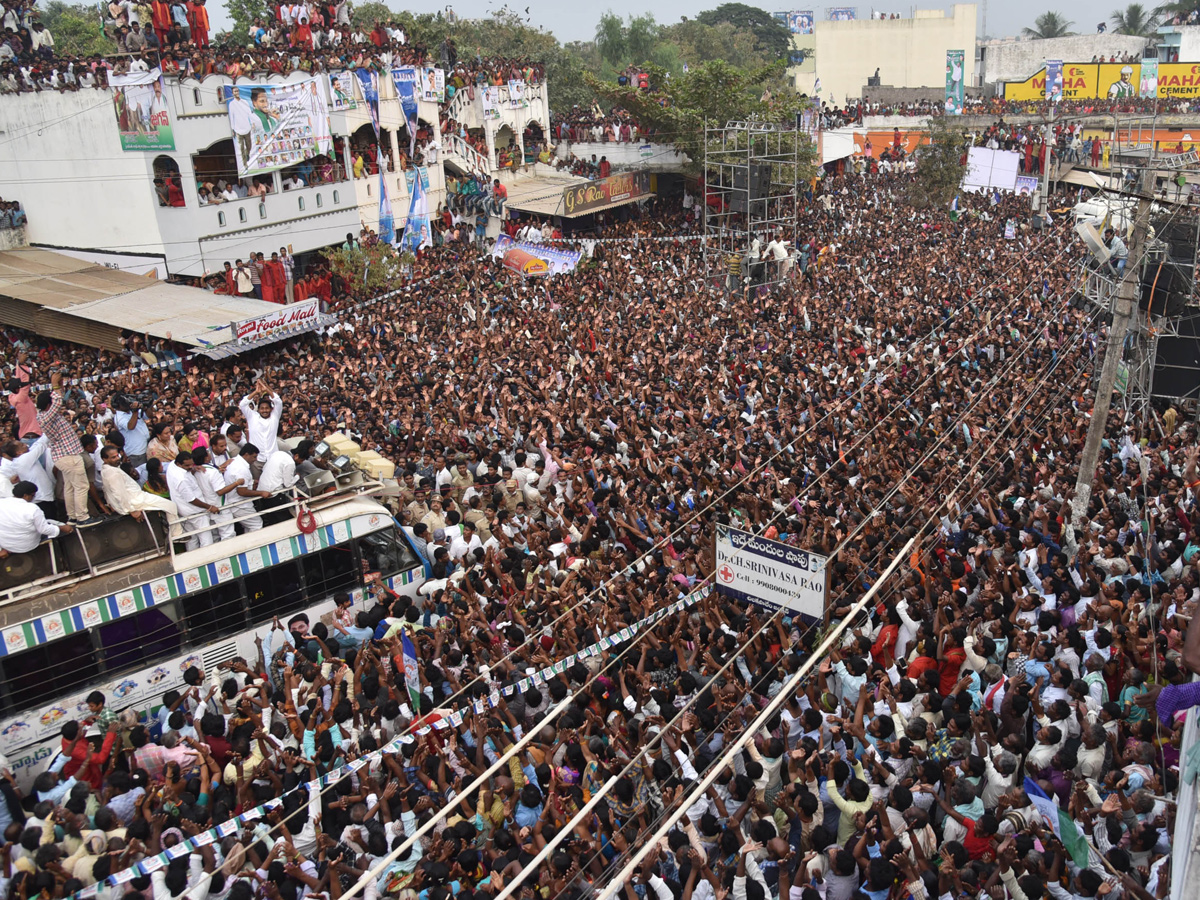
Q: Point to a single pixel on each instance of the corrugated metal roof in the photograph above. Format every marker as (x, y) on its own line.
(105, 300)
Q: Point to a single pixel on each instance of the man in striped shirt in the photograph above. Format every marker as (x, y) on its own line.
(65, 450)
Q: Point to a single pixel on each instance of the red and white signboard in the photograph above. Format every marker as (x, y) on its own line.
(296, 317)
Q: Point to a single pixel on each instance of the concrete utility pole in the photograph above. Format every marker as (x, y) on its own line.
(1123, 311)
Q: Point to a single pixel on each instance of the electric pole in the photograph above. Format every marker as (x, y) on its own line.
(1123, 310)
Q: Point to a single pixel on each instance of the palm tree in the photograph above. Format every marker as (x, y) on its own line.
(1049, 25)
(1135, 19)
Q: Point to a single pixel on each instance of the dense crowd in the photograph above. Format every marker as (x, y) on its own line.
(997, 106)
(565, 453)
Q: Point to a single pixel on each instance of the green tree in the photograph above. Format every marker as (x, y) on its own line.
(770, 34)
(940, 166)
(1049, 25)
(1134, 19)
(642, 38)
(712, 92)
(77, 29)
(368, 270)
(699, 43)
(242, 14)
(365, 15)
(610, 38)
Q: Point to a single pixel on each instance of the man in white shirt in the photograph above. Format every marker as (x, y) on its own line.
(465, 543)
(239, 469)
(123, 493)
(262, 423)
(190, 504)
(278, 474)
(25, 464)
(22, 524)
(213, 489)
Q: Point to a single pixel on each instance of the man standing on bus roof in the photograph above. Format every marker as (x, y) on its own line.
(123, 493)
(262, 422)
(240, 470)
(195, 511)
(23, 524)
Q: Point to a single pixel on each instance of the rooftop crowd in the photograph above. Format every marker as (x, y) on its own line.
(565, 452)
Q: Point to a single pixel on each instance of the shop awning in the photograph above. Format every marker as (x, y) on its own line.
(64, 298)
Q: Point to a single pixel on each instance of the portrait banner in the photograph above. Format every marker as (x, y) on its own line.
(433, 85)
(1054, 80)
(517, 98)
(277, 125)
(800, 21)
(142, 116)
(491, 103)
(341, 91)
(954, 82)
(1148, 79)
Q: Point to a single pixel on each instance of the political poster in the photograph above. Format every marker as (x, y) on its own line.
(517, 97)
(277, 125)
(405, 80)
(800, 21)
(1054, 80)
(769, 573)
(143, 119)
(1148, 79)
(559, 261)
(1026, 184)
(842, 13)
(410, 176)
(954, 82)
(341, 91)
(416, 227)
(433, 85)
(491, 103)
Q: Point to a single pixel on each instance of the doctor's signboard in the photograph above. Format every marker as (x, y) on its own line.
(1112, 81)
(769, 573)
(584, 198)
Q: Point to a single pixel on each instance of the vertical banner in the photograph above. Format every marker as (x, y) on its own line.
(141, 108)
(516, 94)
(491, 103)
(1054, 80)
(433, 85)
(370, 92)
(954, 82)
(277, 125)
(405, 80)
(341, 91)
(416, 229)
(387, 225)
(1149, 78)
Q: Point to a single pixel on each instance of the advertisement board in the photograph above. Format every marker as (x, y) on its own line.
(769, 573)
(585, 198)
(800, 21)
(1112, 81)
(289, 318)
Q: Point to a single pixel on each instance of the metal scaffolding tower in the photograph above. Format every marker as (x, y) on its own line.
(752, 176)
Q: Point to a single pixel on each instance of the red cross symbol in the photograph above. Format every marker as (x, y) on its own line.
(725, 574)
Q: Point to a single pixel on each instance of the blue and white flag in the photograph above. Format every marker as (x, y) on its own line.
(387, 225)
(406, 89)
(412, 678)
(370, 89)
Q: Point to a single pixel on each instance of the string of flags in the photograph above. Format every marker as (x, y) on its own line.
(454, 719)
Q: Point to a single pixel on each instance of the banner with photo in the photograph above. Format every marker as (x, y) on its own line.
(416, 227)
(405, 80)
(517, 97)
(341, 91)
(141, 107)
(841, 13)
(277, 125)
(387, 223)
(410, 176)
(1026, 185)
(954, 82)
(800, 21)
(1054, 80)
(558, 260)
(491, 103)
(433, 85)
(370, 91)
(1149, 78)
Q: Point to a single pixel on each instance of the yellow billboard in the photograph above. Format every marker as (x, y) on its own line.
(1110, 81)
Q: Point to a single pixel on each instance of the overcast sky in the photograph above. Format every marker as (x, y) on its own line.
(573, 22)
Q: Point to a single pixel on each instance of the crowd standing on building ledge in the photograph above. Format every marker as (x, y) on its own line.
(565, 453)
